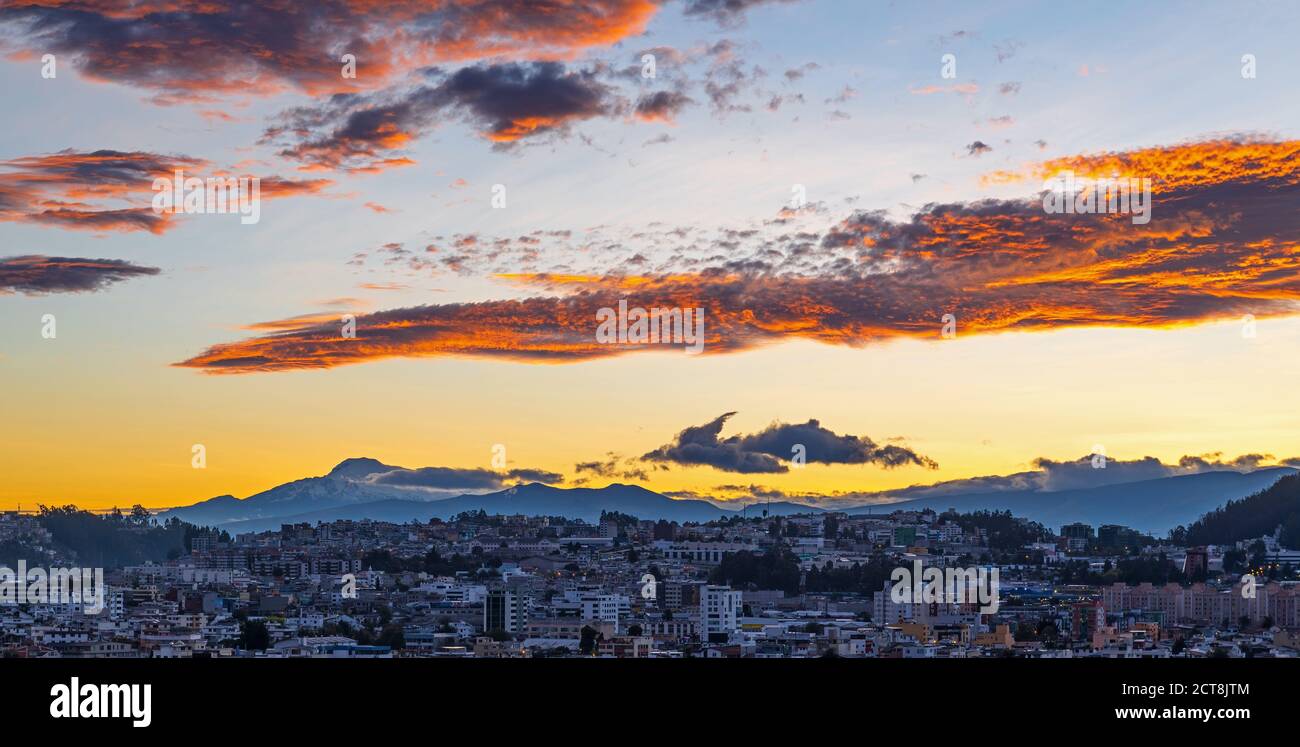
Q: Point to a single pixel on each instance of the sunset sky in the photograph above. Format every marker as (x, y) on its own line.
(475, 325)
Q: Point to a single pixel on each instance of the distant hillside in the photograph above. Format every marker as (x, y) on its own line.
(340, 495)
(343, 486)
(1152, 506)
(1253, 516)
(106, 540)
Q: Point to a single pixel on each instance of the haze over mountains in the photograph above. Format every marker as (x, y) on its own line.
(350, 492)
(1152, 506)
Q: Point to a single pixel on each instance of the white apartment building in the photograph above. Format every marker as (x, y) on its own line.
(593, 606)
(719, 606)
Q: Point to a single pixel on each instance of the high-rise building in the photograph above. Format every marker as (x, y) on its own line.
(1115, 536)
(1077, 530)
(719, 606)
(1197, 562)
(505, 610)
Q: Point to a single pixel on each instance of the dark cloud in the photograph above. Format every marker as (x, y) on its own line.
(613, 467)
(725, 12)
(1215, 461)
(661, 106)
(1087, 472)
(196, 51)
(506, 103)
(797, 73)
(535, 475)
(107, 190)
(769, 450)
(827, 447)
(35, 274)
(978, 148)
(450, 478)
(699, 445)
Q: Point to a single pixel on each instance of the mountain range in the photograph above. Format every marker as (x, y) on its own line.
(1151, 506)
(346, 492)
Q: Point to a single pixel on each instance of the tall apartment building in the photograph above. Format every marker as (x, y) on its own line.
(719, 606)
(505, 610)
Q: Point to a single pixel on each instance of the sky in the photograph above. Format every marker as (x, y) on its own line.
(817, 176)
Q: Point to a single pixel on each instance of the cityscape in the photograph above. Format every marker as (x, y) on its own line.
(761, 584)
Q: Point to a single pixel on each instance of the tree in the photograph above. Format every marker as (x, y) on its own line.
(1234, 561)
(589, 640)
(830, 527)
(1179, 646)
(775, 569)
(1025, 631)
(1253, 516)
(253, 636)
(392, 636)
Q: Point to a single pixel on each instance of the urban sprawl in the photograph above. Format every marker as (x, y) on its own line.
(814, 585)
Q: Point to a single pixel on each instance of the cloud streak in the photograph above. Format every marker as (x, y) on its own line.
(197, 52)
(1223, 241)
(506, 103)
(36, 274)
(108, 190)
(451, 478)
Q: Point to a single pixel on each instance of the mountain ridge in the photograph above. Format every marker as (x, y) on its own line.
(1154, 506)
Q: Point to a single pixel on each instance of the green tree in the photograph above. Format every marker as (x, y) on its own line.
(253, 636)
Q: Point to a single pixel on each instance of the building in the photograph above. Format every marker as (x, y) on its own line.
(1196, 563)
(1077, 530)
(719, 606)
(704, 553)
(1086, 618)
(1115, 537)
(1077, 536)
(505, 610)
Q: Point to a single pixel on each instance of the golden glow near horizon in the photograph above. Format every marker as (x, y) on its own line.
(977, 405)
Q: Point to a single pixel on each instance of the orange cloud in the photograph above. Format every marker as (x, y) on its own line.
(1223, 241)
(107, 190)
(197, 52)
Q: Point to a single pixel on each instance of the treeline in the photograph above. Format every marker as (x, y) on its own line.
(779, 569)
(858, 578)
(1153, 569)
(115, 539)
(1005, 532)
(1253, 516)
(775, 569)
